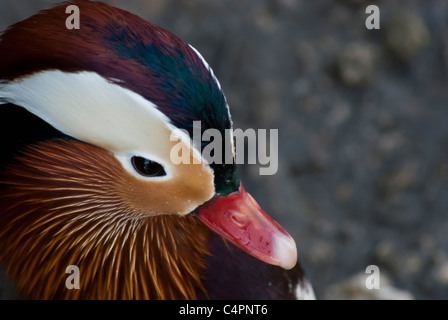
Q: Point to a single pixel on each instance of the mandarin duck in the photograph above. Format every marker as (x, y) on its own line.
(86, 180)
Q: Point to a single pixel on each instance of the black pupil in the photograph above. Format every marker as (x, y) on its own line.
(147, 167)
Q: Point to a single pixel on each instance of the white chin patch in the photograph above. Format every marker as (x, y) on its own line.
(304, 291)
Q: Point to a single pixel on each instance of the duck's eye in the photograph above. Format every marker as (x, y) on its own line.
(147, 168)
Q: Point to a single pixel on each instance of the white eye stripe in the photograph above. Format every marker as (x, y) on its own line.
(83, 105)
(86, 106)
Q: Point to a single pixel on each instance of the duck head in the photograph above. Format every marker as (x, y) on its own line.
(116, 90)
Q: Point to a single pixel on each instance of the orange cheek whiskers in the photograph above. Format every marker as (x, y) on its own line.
(55, 212)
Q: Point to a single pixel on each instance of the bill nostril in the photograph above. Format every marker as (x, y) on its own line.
(239, 219)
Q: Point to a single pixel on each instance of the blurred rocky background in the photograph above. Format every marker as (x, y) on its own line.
(363, 127)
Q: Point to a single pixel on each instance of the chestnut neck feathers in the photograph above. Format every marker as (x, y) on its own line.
(60, 207)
